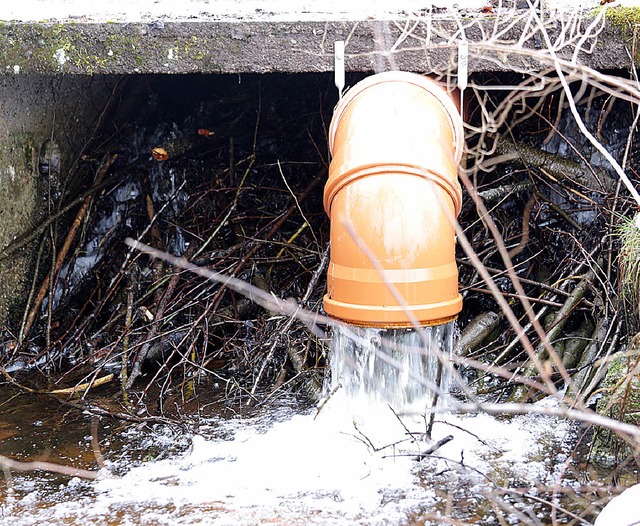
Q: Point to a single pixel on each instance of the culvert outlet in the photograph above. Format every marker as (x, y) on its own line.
(396, 140)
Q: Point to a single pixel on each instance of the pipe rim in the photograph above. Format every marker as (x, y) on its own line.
(400, 325)
(395, 316)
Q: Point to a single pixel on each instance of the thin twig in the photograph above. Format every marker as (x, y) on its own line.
(64, 250)
(68, 471)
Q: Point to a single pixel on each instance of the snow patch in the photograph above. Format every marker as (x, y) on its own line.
(622, 510)
(156, 12)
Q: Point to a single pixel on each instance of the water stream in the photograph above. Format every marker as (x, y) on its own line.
(401, 368)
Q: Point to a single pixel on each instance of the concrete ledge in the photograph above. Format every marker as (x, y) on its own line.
(426, 45)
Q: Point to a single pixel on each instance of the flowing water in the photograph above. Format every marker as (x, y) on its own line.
(283, 464)
(400, 368)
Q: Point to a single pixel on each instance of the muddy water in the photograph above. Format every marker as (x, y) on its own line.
(286, 464)
(62, 431)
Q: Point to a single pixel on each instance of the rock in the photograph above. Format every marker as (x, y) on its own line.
(623, 510)
(621, 401)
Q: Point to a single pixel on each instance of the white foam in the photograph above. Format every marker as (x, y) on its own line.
(304, 469)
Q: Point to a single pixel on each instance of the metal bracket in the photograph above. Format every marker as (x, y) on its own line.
(463, 69)
(338, 65)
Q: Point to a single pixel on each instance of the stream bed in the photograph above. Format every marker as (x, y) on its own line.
(284, 463)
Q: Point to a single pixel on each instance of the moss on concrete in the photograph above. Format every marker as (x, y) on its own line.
(621, 401)
(621, 22)
(257, 46)
(19, 202)
(72, 48)
(109, 48)
(623, 17)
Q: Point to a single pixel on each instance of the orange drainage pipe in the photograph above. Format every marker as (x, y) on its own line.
(396, 140)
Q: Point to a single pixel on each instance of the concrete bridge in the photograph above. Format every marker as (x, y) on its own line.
(58, 61)
(256, 36)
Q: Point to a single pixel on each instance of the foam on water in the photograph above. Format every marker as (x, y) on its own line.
(289, 468)
(312, 468)
(326, 466)
(318, 467)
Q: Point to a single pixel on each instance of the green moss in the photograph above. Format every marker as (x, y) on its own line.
(199, 47)
(623, 17)
(62, 47)
(188, 48)
(621, 401)
(19, 201)
(622, 21)
(628, 233)
(122, 47)
(92, 49)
